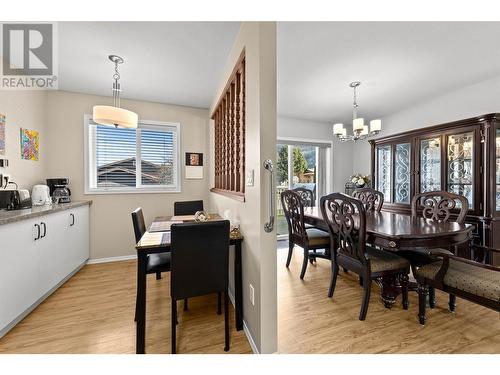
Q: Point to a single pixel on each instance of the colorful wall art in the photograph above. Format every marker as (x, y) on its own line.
(2, 134)
(29, 144)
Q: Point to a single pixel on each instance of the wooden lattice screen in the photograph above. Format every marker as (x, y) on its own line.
(229, 134)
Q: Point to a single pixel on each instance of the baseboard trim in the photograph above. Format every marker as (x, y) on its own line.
(245, 327)
(112, 259)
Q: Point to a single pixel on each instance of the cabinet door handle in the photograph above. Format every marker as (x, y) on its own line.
(37, 232)
(72, 219)
(44, 229)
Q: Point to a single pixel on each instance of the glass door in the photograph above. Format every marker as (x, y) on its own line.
(383, 173)
(430, 164)
(402, 173)
(297, 166)
(460, 165)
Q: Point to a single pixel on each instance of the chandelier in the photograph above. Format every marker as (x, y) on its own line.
(114, 115)
(359, 129)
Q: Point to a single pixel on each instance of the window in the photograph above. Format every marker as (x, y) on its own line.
(112, 156)
(229, 136)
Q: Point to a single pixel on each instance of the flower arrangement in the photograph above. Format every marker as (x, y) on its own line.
(360, 180)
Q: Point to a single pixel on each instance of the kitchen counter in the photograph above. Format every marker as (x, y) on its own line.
(7, 217)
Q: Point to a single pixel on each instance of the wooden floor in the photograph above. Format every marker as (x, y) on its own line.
(310, 322)
(94, 313)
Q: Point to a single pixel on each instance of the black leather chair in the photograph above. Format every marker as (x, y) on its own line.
(157, 263)
(187, 207)
(200, 256)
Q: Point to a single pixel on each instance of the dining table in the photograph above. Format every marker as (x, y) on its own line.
(395, 232)
(157, 240)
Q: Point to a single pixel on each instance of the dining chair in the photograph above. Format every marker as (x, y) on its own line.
(346, 220)
(306, 195)
(309, 239)
(475, 281)
(371, 198)
(187, 207)
(200, 257)
(156, 263)
(437, 206)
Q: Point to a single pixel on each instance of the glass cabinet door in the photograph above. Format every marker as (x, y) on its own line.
(460, 165)
(430, 165)
(498, 168)
(384, 166)
(402, 173)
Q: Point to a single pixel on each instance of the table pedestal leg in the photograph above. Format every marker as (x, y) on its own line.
(390, 289)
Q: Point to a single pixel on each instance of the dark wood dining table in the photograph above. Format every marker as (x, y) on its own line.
(399, 231)
(157, 240)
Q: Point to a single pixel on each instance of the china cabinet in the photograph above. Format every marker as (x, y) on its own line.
(461, 157)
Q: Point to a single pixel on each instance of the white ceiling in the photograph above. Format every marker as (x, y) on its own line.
(168, 62)
(398, 63)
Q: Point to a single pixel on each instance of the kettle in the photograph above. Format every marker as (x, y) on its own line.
(40, 195)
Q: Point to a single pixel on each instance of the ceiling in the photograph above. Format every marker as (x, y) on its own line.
(169, 62)
(398, 63)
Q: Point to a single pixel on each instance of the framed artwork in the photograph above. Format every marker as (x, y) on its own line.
(30, 143)
(2, 134)
(194, 159)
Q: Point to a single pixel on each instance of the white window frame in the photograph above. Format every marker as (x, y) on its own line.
(138, 189)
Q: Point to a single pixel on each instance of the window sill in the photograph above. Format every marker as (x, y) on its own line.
(240, 197)
(137, 191)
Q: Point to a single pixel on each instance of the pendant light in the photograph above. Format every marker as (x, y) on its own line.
(114, 115)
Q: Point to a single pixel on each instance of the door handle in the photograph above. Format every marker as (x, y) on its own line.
(37, 232)
(72, 219)
(44, 229)
(269, 226)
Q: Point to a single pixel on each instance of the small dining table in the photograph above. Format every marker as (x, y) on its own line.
(157, 240)
(399, 231)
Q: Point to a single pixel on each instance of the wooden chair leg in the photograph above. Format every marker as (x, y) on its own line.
(226, 321)
(366, 298)
(422, 295)
(361, 280)
(304, 263)
(158, 275)
(219, 303)
(290, 253)
(404, 286)
(185, 304)
(174, 324)
(453, 302)
(432, 297)
(333, 280)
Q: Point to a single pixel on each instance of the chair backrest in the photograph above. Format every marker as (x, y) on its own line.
(187, 207)
(138, 222)
(438, 206)
(306, 195)
(293, 207)
(346, 220)
(371, 198)
(200, 256)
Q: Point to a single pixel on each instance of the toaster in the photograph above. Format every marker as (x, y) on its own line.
(40, 195)
(14, 199)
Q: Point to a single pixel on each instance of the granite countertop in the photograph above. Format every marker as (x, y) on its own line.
(7, 217)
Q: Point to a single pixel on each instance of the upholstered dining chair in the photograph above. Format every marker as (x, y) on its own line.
(187, 207)
(346, 219)
(309, 239)
(472, 280)
(156, 263)
(371, 198)
(200, 257)
(438, 206)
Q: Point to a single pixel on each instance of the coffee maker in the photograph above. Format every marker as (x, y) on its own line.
(59, 190)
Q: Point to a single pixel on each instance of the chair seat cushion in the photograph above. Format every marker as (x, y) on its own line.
(158, 263)
(381, 260)
(467, 277)
(317, 237)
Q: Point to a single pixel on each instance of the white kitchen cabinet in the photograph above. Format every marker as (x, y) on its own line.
(36, 256)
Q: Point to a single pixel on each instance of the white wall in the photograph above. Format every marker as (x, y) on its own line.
(111, 231)
(340, 170)
(258, 39)
(24, 109)
(470, 101)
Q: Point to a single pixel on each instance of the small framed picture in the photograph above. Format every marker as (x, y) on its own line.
(194, 159)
